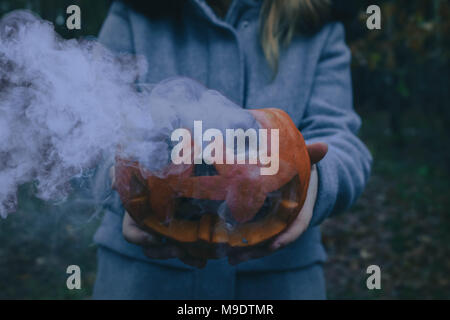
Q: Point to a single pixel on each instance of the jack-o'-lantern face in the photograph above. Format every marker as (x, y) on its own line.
(210, 209)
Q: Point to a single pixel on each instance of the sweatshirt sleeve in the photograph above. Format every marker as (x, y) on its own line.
(330, 118)
(116, 33)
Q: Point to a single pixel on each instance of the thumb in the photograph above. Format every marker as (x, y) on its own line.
(317, 151)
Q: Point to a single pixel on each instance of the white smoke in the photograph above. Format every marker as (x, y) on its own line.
(66, 105)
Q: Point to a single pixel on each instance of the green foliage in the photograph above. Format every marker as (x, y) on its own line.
(406, 63)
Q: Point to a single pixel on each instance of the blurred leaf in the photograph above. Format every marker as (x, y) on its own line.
(403, 89)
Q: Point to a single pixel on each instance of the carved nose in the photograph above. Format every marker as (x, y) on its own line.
(205, 170)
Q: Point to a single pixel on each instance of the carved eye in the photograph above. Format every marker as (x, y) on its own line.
(137, 187)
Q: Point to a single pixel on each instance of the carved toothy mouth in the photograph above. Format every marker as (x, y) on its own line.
(193, 209)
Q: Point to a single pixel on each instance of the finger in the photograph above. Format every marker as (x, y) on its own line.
(163, 252)
(317, 151)
(299, 225)
(246, 254)
(134, 234)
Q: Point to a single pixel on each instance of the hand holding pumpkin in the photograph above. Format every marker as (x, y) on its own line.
(316, 152)
(152, 244)
(264, 212)
(155, 248)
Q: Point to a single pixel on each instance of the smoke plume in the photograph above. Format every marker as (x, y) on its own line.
(68, 105)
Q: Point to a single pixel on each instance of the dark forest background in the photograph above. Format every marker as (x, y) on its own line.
(401, 223)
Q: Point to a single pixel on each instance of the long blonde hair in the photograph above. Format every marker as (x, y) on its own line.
(281, 19)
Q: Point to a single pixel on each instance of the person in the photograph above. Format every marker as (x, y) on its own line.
(287, 54)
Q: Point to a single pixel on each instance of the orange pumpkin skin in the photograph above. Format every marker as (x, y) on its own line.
(152, 201)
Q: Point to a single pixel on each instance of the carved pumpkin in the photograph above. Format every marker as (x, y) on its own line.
(259, 207)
